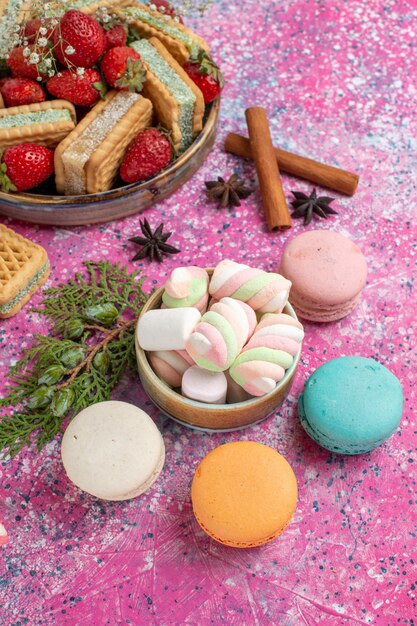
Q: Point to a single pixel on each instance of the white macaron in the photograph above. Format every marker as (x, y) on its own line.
(113, 450)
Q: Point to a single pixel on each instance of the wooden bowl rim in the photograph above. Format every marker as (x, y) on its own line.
(175, 396)
(62, 202)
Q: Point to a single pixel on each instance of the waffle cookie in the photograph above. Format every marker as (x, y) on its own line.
(177, 101)
(87, 160)
(24, 267)
(177, 38)
(57, 7)
(44, 123)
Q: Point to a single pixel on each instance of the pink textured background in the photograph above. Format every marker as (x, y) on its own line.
(338, 82)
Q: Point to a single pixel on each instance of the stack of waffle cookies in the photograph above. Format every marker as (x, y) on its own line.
(24, 267)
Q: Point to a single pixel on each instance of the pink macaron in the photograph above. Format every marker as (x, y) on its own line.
(328, 272)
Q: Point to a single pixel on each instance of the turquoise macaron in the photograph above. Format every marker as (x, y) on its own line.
(351, 405)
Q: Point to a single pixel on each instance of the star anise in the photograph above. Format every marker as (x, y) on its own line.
(228, 192)
(153, 243)
(309, 206)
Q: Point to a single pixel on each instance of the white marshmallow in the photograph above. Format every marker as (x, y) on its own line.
(166, 329)
(204, 386)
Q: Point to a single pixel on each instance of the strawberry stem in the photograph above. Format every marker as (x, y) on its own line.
(134, 76)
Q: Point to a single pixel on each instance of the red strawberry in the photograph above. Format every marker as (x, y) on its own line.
(82, 90)
(79, 40)
(206, 75)
(123, 69)
(116, 36)
(166, 8)
(31, 29)
(148, 154)
(25, 166)
(17, 91)
(20, 65)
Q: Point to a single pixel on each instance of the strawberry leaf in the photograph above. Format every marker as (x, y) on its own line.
(208, 67)
(101, 88)
(134, 76)
(6, 184)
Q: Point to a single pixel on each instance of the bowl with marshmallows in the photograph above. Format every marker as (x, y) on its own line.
(218, 348)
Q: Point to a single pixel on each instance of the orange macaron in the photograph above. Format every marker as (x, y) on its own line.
(244, 494)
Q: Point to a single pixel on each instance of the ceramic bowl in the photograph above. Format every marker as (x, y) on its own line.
(210, 417)
(115, 203)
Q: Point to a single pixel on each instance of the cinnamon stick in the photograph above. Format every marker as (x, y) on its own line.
(324, 175)
(262, 150)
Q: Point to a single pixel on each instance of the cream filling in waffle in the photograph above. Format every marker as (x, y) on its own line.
(163, 24)
(77, 4)
(37, 117)
(181, 92)
(75, 157)
(8, 306)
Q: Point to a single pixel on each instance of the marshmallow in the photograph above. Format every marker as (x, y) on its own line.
(221, 334)
(280, 324)
(239, 315)
(269, 352)
(166, 329)
(235, 393)
(265, 292)
(170, 365)
(204, 386)
(187, 286)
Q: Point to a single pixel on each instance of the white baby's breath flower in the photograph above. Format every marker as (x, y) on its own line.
(42, 41)
(80, 71)
(26, 52)
(48, 62)
(152, 7)
(34, 58)
(43, 30)
(51, 73)
(39, 79)
(54, 22)
(69, 50)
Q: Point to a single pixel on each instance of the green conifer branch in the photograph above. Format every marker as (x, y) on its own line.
(92, 324)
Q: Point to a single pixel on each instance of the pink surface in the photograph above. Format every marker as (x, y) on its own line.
(338, 82)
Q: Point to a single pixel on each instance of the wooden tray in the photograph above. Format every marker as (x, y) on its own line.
(116, 203)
